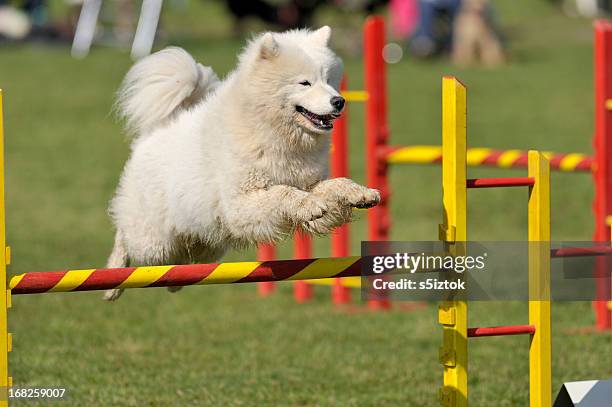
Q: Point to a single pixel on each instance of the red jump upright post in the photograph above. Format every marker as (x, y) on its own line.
(266, 252)
(602, 143)
(302, 249)
(377, 133)
(340, 241)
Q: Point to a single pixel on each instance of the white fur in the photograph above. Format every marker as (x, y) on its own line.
(157, 86)
(227, 164)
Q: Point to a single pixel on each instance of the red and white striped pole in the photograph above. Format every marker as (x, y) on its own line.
(602, 143)
(340, 239)
(377, 134)
(302, 249)
(266, 252)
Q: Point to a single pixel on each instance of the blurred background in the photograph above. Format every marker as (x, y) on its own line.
(529, 86)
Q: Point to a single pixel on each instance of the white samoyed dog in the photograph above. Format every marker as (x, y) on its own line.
(221, 164)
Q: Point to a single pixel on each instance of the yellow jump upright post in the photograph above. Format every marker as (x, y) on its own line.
(540, 387)
(5, 337)
(452, 315)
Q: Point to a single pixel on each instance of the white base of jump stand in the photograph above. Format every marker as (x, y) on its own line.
(589, 393)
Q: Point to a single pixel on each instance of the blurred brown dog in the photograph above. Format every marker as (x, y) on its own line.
(474, 39)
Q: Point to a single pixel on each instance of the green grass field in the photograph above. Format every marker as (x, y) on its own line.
(223, 346)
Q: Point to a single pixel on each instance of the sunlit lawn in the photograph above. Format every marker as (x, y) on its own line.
(223, 345)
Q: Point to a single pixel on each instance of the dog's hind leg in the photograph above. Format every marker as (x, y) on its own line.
(118, 258)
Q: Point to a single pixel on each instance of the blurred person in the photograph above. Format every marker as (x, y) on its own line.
(14, 23)
(404, 16)
(293, 13)
(270, 14)
(35, 9)
(31, 21)
(287, 15)
(475, 38)
(37, 12)
(434, 30)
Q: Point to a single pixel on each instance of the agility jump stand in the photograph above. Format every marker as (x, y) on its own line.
(375, 98)
(453, 314)
(380, 155)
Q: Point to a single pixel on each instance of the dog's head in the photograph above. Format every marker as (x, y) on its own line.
(295, 77)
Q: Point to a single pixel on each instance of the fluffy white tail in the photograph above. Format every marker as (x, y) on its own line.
(159, 86)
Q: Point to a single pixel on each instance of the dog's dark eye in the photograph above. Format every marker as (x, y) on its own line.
(305, 83)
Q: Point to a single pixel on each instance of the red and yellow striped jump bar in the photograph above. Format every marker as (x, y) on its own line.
(192, 274)
(569, 162)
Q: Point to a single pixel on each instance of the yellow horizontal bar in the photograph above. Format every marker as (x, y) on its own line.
(355, 95)
(430, 154)
(415, 155)
(352, 282)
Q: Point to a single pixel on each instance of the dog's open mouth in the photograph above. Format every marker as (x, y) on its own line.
(323, 122)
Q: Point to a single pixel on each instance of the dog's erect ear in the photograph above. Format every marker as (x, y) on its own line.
(321, 36)
(269, 47)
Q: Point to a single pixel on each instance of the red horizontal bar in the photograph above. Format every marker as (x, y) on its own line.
(500, 182)
(501, 330)
(581, 251)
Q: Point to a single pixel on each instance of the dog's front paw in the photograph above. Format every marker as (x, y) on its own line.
(364, 198)
(311, 208)
(347, 192)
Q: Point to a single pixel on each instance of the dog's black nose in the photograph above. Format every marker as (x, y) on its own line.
(337, 102)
